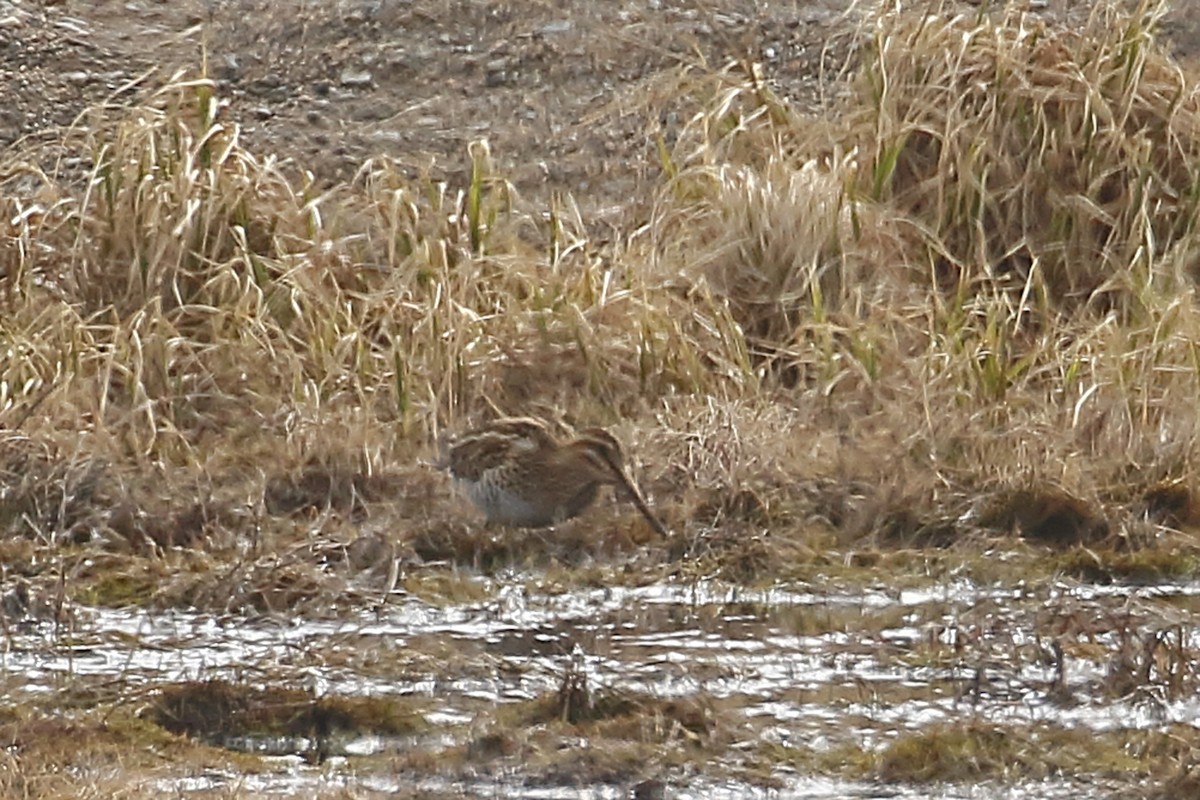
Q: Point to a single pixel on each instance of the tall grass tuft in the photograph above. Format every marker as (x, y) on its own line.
(1038, 158)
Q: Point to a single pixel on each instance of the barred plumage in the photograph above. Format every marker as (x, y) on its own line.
(517, 472)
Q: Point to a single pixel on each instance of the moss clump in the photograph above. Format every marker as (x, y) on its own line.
(963, 752)
(439, 586)
(1147, 566)
(118, 589)
(620, 714)
(957, 752)
(217, 710)
(100, 751)
(1047, 515)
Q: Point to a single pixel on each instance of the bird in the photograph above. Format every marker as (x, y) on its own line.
(519, 474)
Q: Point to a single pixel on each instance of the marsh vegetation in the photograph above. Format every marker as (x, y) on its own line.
(908, 370)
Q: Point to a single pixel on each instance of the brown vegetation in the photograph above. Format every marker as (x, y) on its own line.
(954, 310)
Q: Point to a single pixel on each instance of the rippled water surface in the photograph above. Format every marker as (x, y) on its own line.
(805, 668)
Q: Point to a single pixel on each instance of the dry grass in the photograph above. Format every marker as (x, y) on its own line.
(967, 310)
(958, 307)
(965, 295)
(628, 735)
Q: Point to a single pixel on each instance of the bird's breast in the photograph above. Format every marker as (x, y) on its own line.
(526, 504)
(500, 503)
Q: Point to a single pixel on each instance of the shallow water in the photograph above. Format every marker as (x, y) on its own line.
(805, 668)
(799, 789)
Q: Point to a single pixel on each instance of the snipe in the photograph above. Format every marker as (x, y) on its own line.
(518, 473)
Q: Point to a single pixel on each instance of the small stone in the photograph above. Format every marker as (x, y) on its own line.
(650, 790)
(355, 79)
(228, 68)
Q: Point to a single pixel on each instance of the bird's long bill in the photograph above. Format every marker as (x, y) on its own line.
(639, 501)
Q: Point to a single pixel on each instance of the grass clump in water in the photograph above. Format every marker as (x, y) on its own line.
(219, 712)
(967, 752)
(1144, 566)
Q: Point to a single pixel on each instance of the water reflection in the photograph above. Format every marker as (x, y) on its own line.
(803, 666)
